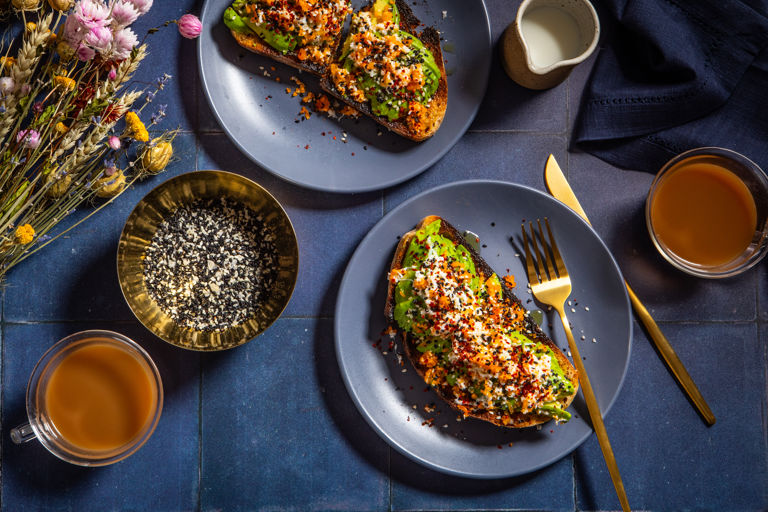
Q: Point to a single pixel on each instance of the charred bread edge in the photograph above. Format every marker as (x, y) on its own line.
(519, 420)
(431, 39)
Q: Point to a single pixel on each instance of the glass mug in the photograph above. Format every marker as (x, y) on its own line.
(93, 399)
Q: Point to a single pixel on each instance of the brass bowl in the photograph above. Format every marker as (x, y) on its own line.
(144, 221)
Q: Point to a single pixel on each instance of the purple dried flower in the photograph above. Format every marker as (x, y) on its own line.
(114, 142)
(112, 74)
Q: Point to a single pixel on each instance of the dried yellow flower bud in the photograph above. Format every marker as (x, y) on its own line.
(60, 5)
(110, 186)
(59, 187)
(30, 26)
(24, 234)
(157, 156)
(26, 5)
(65, 51)
(6, 62)
(61, 128)
(65, 81)
(136, 128)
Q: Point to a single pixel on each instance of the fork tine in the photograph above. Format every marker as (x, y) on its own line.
(544, 272)
(558, 258)
(530, 268)
(547, 257)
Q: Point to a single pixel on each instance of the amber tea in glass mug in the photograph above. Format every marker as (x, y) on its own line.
(707, 212)
(93, 399)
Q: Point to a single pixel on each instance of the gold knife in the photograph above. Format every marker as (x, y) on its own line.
(558, 186)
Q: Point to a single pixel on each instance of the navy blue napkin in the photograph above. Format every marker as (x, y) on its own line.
(674, 75)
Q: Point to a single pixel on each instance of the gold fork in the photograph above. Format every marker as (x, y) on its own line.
(551, 285)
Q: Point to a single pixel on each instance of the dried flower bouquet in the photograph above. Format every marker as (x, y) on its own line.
(70, 132)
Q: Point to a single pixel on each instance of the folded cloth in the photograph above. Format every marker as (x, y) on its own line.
(678, 74)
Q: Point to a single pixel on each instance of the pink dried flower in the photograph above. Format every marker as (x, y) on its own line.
(114, 142)
(189, 26)
(87, 16)
(85, 52)
(91, 13)
(29, 138)
(99, 38)
(123, 13)
(122, 44)
(112, 74)
(142, 5)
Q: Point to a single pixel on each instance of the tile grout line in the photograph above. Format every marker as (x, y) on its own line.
(200, 384)
(200, 436)
(2, 388)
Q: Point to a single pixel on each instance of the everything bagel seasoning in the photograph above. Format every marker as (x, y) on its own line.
(209, 263)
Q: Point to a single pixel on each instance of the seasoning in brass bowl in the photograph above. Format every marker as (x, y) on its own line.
(207, 260)
(209, 263)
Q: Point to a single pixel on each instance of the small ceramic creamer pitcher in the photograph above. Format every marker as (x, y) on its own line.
(547, 39)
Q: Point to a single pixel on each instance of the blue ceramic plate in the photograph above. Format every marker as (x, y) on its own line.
(392, 397)
(322, 153)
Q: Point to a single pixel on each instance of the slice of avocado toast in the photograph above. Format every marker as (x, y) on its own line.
(469, 337)
(386, 70)
(301, 33)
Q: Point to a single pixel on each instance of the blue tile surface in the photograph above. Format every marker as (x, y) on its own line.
(287, 431)
(669, 459)
(271, 426)
(417, 488)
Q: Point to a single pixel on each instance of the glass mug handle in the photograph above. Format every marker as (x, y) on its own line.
(22, 433)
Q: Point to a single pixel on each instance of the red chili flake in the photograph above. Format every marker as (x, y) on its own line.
(323, 134)
(306, 147)
(499, 446)
(353, 154)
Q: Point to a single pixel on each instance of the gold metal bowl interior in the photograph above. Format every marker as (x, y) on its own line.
(144, 221)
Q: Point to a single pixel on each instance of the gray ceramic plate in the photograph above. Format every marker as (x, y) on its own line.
(392, 397)
(264, 121)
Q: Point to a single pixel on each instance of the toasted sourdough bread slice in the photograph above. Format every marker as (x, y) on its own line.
(532, 331)
(251, 41)
(432, 117)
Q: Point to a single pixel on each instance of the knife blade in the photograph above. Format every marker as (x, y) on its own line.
(559, 188)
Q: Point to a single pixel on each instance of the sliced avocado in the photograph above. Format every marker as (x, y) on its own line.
(280, 42)
(234, 22)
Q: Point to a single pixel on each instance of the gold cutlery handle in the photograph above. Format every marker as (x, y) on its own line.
(595, 416)
(670, 357)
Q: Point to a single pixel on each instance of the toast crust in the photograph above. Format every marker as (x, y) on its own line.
(519, 420)
(434, 115)
(254, 43)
